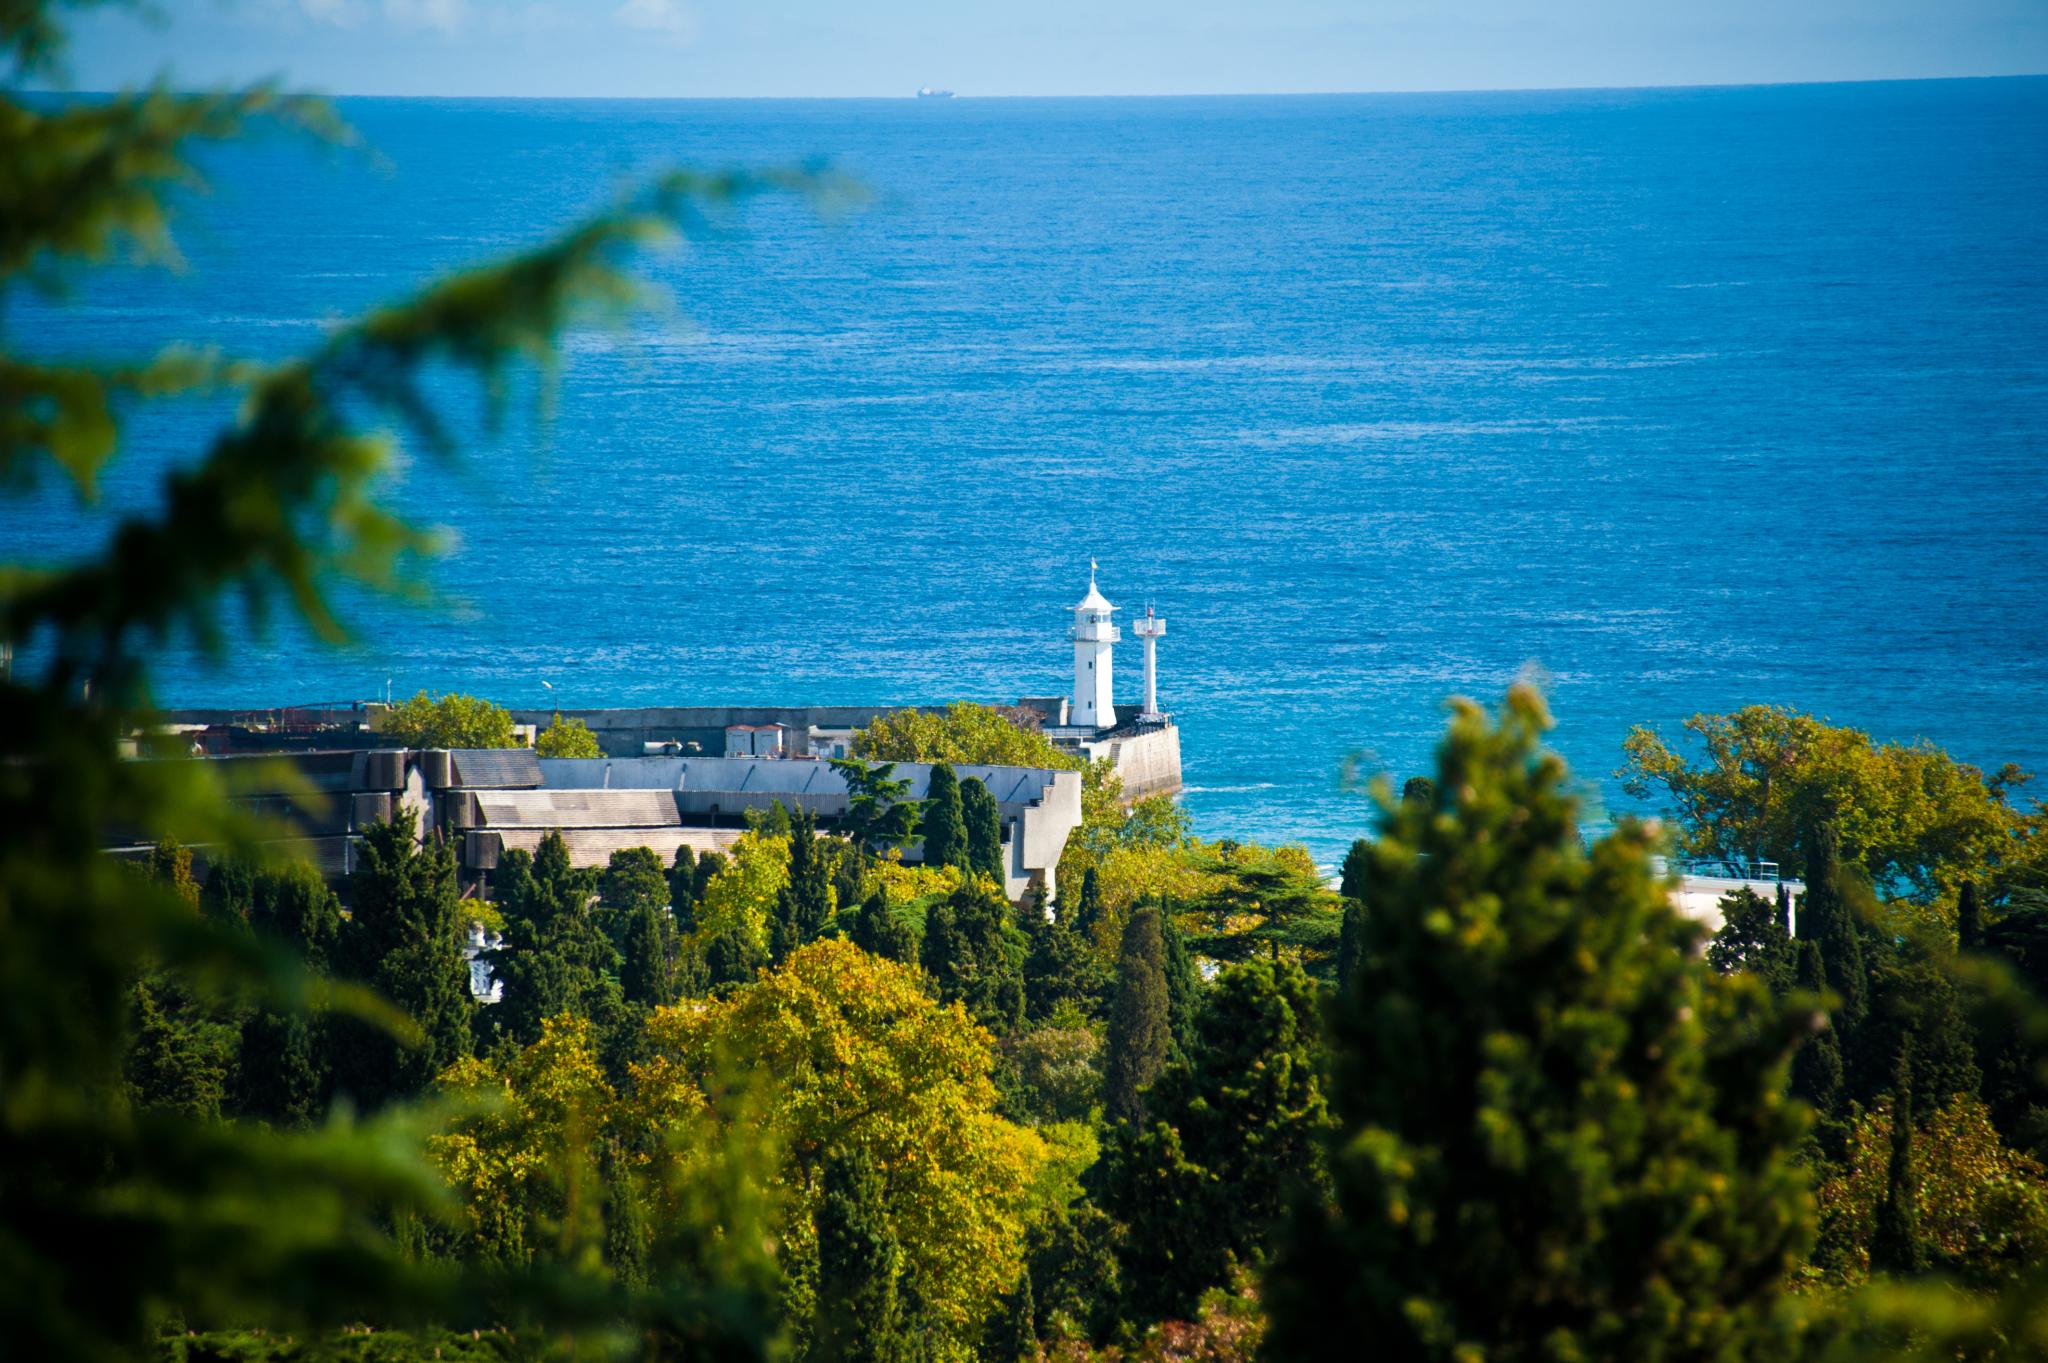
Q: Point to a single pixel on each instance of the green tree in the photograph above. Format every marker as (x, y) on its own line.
(1013, 1331)
(567, 738)
(404, 940)
(230, 890)
(556, 958)
(804, 907)
(945, 820)
(647, 965)
(1351, 882)
(682, 889)
(1183, 981)
(113, 1216)
(1236, 1133)
(1817, 1068)
(1267, 903)
(1969, 919)
(881, 931)
(282, 1072)
(1918, 1008)
(451, 721)
(1754, 937)
(293, 906)
(1088, 911)
(1827, 915)
(975, 957)
(966, 733)
(1560, 1134)
(1919, 822)
(1896, 1246)
(1061, 970)
(879, 814)
(856, 1319)
(633, 879)
(1140, 1021)
(183, 1055)
(984, 830)
(1350, 944)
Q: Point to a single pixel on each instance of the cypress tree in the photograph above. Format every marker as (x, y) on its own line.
(1352, 885)
(984, 830)
(556, 958)
(1089, 911)
(1350, 943)
(810, 880)
(1817, 1066)
(1062, 968)
(1183, 981)
(880, 931)
(404, 939)
(945, 820)
(682, 889)
(733, 957)
(282, 1073)
(1969, 919)
(1896, 1246)
(1140, 1026)
(625, 1221)
(858, 1318)
(1560, 1134)
(975, 957)
(709, 865)
(646, 967)
(1832, 924)
(1236, 1129)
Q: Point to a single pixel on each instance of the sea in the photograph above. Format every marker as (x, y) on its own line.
(1671, 400)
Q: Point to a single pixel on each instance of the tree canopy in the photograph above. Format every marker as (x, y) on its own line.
(1919, 822)
(451, 721)
(965, 733)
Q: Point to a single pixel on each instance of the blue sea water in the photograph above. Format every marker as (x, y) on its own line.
(1684, 399)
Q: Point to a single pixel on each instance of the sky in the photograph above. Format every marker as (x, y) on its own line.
(711, 48)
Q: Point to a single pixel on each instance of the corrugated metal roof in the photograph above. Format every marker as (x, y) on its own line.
(576, 808)
(496, 768)
(705, 777)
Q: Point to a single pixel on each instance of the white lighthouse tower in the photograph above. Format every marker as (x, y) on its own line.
(1095, 635)
(1150, 627)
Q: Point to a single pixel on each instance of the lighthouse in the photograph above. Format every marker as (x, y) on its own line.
(1150, 627)
(1095, 636)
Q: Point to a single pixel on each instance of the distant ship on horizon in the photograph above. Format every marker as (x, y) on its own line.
(927, 92)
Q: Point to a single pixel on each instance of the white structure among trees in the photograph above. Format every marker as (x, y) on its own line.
(1095, 636)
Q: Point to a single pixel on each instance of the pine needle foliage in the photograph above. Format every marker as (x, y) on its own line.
(984, 830)
(1140, 1020)
(1560, 1134)
(112, 1215)
(945, 819)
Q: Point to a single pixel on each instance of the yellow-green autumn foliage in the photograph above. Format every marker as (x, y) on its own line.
(743, 894)
(961, 733)
(525, 1140)
(856, 1055)
(906, 884)
(569, 737)
(1983, 1207)
(1917, 820)
(451, 721)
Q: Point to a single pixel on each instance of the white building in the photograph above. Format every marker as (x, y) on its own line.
(1095, 636)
